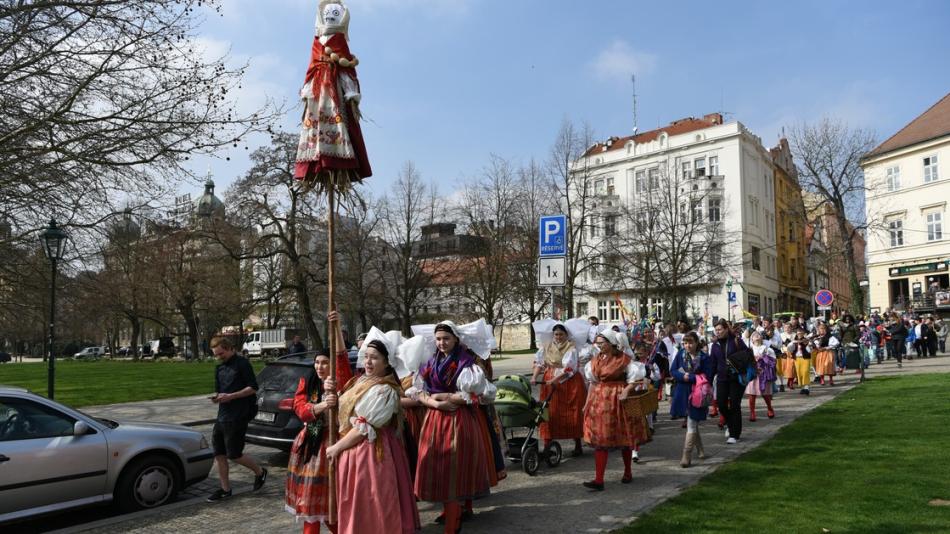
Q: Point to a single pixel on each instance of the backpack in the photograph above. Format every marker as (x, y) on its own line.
(742, 364)
(701, 396)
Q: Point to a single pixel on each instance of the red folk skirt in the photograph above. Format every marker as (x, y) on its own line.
(414, 418)
(566, 410)
(306, 487)
(453, 463)
(606, 424)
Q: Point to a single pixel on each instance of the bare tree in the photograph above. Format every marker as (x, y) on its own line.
(829, 165)
(569, 166)
(669, 241)
(362, 283)
(105, 97)
(404, 212)
(278, 218)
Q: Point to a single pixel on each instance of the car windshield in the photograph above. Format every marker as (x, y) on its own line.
(276, 377)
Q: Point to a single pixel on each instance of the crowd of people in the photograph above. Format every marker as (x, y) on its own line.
(417, 422)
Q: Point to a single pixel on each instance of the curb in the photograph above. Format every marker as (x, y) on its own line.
(200, 422)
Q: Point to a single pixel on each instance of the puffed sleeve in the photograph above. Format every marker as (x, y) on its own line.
(635, 371)
(302, 403)
(374, 410)
(589, 373)
(472, 383)
(418, 386)
(539, 358)
(833, 342)
(585, 355)
(569, 362)
(488, 397)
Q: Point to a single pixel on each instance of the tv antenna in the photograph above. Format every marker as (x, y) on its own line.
(633, 82)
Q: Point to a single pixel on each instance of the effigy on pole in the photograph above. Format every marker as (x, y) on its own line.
(331, 154)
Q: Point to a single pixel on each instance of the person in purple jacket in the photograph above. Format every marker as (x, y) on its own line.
(728, 389)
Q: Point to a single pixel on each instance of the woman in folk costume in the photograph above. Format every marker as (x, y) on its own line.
(786, 359)
(556, 366)
(410, 356)
(455, 450)
(823, 355)
(306, 487)
(764, 375)
(687, 366)
(331, 142)
(613, 376)
(375, 487)
(798, 348)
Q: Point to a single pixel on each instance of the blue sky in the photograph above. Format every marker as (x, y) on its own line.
(448, 82)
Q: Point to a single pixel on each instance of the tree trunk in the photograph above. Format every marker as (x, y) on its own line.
(303, 299)
(857, 296)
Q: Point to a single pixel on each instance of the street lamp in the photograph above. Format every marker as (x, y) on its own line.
(54, 239)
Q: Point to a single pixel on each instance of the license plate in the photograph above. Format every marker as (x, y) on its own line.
(265, 417)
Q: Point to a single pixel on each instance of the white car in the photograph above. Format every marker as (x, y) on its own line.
(90, 353)
(53, 458)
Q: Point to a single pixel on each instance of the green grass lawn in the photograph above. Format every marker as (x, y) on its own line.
(868, 461)
(81, 384)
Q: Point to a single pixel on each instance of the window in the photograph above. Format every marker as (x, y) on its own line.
(640, 181)
(934, 226)
(602, 306)
(610, 186)
(610, 225)
(893, 178)
(614, 311)
(581, 309)
(713, 165)
(599, 187)
(23, 420)
(792, 269)
(896, 229)
(791, 232)
(715, 255)
(653, 175)
(753, 304)
(700, 167)
(697, 212)
(756, 259)
(930, 169)
(715, 213)
(593, 227)
(686, 167)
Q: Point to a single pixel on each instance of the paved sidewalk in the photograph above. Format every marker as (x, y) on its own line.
(191, 411)
(551, 501)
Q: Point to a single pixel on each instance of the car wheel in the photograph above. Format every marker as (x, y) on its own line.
(147, 482)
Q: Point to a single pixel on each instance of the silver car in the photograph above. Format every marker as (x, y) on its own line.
(53, 458)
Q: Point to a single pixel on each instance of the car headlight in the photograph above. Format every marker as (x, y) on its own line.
(203, 443)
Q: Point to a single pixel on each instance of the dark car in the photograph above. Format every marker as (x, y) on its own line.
(275, 424)
(5, 357)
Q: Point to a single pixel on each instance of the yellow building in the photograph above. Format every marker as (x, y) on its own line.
(790, 234)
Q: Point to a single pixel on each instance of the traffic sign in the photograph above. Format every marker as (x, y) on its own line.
(824, 308)
(732, 296)
(552, 271)
(552, 235)
(824, 297)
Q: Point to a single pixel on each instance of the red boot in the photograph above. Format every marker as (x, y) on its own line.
(715, 409)
(752, 408)
(768, 404)
(791, 384)
(722, 421)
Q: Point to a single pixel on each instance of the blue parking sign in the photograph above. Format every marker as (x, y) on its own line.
(552, 235)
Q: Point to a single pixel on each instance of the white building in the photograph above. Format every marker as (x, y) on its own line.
(908, 180)
(728, 162)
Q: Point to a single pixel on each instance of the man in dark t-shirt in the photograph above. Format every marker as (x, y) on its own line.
(236, 397)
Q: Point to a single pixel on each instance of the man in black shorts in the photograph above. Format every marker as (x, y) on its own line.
(236, 397)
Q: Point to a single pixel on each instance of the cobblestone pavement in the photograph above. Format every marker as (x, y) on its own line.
(551, 501)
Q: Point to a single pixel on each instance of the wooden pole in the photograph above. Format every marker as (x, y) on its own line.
(331, 334)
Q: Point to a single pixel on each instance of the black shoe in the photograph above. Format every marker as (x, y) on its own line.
(219, 495)
(626, 480)
(440, 520)
(577, 452)
(260, 479)
(596, 486)
(467, 515)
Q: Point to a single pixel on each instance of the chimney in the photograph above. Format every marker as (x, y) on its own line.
(715, 118)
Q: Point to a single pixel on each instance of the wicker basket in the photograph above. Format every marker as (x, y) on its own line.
(642, 404)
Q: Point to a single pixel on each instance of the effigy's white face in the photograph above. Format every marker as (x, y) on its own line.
(333, 16)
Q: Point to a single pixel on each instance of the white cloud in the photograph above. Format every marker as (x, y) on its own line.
(619, 60)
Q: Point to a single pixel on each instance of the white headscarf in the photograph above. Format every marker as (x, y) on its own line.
(477, 336)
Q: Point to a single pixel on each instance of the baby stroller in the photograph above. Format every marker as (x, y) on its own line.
(517, 408)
